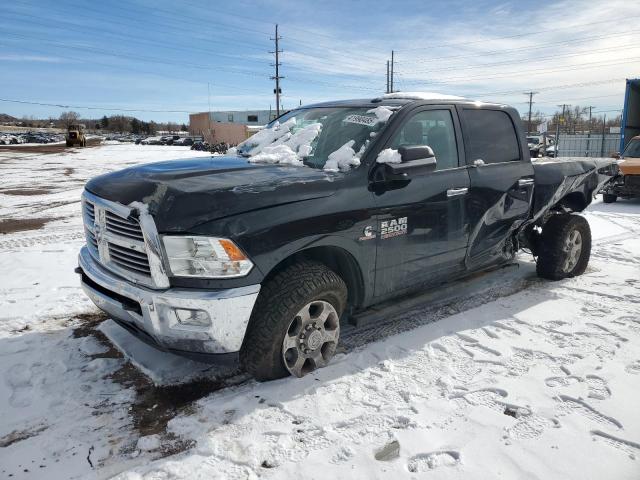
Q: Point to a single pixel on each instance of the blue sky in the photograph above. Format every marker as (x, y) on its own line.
(163, 59)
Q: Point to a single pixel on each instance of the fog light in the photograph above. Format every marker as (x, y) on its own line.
(197, 318)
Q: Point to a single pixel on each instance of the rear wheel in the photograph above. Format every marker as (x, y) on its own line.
(609, 197)
(295, 325)
(565, 247)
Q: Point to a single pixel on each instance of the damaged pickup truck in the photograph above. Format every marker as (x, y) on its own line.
(256, 256)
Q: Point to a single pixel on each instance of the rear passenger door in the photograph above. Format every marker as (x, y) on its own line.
(501, 181)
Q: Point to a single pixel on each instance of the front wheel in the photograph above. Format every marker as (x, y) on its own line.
(609, 197)
(565, 247)
(295, 324)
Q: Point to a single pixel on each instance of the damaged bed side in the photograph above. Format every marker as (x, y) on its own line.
(562, 186)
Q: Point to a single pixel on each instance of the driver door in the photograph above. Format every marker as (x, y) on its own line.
(422, 227)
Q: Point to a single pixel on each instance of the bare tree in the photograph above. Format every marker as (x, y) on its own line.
(69, 118)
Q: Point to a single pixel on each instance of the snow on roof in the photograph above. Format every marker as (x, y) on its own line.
(421, 96)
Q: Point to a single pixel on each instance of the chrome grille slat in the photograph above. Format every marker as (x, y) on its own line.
(129, 253)
(123, 226)
(137, 264)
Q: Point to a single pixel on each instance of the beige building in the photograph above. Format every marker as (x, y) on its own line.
(214, 132)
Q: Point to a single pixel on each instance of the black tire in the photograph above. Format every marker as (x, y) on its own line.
(609, 197)
(552, 251)
(280, 300)
(69, 144)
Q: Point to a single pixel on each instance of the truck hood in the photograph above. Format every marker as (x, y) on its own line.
(182, 194)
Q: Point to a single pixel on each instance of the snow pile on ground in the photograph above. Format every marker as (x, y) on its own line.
(517, 378)
(389, 155)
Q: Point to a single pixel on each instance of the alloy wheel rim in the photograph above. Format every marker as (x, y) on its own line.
(572, 249)
(311, 338)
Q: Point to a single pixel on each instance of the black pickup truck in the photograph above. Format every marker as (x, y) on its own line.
(256, 256)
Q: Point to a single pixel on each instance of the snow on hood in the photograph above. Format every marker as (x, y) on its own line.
(421, 96)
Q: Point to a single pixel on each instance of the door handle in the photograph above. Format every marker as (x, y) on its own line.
(454, 192)
(525, 182)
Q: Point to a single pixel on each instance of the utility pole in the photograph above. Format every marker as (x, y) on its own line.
(590, 107)
(209, 113)
(387, 77)
(564, 106)
(531, 94)
(604, 126)
(391, 83)
(277, 76)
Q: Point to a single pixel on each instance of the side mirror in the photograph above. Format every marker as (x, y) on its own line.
(417, 152)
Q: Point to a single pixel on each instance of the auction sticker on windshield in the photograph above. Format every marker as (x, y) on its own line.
(361, 120)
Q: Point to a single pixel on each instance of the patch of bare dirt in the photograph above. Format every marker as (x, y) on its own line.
(13, 225)
(20, 435)
(25, 192)
(154, 405)
(46, 148)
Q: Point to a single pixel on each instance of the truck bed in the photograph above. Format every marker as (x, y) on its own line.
(556, 178)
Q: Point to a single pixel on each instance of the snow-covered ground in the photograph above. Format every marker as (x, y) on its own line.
(513, 377)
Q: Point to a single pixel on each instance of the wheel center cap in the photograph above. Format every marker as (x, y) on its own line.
(314, 340)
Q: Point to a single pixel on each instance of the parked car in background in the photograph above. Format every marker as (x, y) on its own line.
(152, 141)
(627, 183)
(536, 144)
(169, 139)
(184, 141)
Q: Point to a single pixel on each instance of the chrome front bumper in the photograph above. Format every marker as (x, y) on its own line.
(150, 314)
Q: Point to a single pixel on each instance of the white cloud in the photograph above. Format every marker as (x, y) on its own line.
(29, 58)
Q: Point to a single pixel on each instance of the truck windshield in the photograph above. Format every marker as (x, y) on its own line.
(633, 149)
(331, 138)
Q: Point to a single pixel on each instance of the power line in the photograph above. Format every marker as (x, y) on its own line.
(536, 47)
(527, 34)
(518, 73)
(84, 107)
(526, 59)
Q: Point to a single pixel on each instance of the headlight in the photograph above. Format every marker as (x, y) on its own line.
(207, 257)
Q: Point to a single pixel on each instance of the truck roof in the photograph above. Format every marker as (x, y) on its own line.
(402, 99)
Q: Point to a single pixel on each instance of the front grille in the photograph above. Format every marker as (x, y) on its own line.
(123, 227)
(129, 259)
(88, 207)
(117, 242)
(91, 241)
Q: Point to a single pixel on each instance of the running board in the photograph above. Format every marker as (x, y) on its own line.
(438, 295)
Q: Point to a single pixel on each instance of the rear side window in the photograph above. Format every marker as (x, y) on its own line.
(492, 136)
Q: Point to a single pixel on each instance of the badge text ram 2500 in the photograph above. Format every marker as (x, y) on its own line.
(256, 256)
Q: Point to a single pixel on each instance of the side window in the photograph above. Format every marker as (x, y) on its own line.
(492, 136)
(435, 129)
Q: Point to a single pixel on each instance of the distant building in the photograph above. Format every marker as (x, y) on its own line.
(232, 126)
